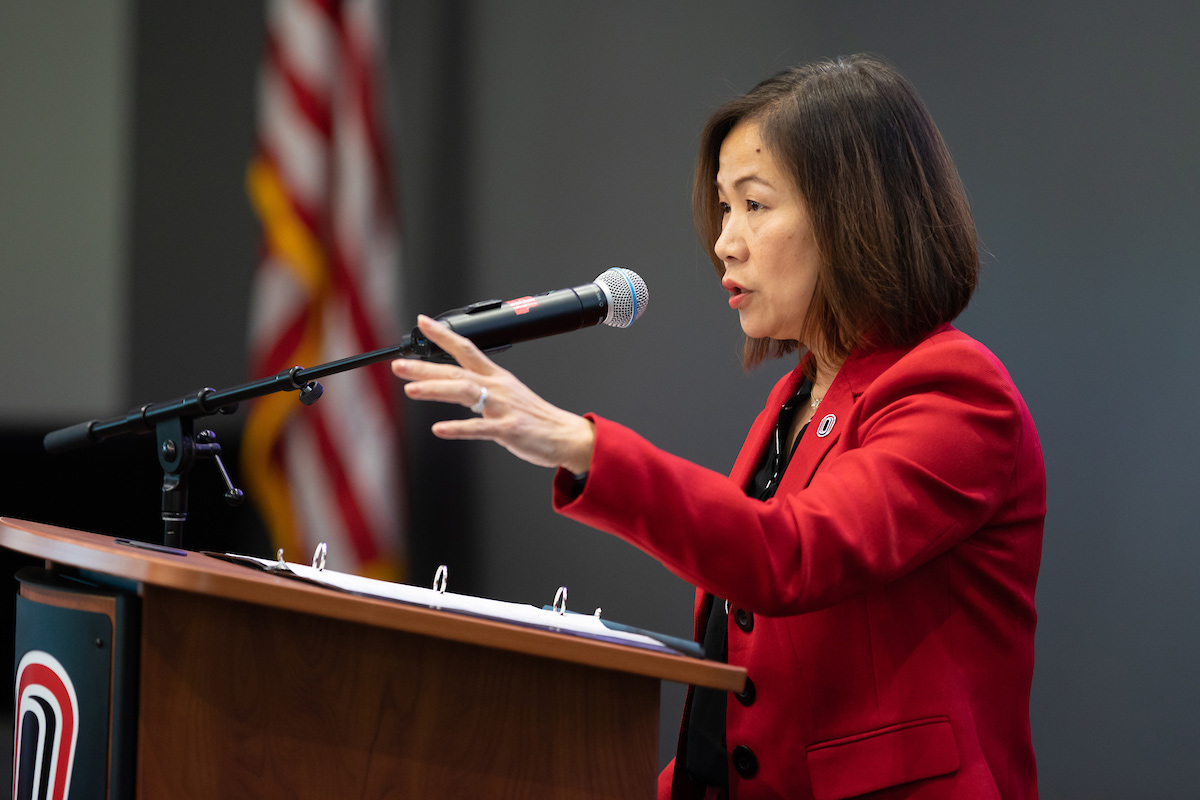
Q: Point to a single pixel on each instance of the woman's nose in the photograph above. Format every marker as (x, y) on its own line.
(731, 244)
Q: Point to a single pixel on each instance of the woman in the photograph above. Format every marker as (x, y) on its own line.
(871, 558)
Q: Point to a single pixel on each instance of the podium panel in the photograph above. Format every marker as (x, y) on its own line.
(239, 700)
(75, 649)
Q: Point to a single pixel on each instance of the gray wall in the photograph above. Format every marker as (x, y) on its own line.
(540, 143)
(64, 131)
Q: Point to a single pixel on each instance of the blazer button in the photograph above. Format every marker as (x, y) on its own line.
(746, 696)
(744, 619)
(744, 761)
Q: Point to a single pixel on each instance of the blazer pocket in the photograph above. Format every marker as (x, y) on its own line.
(867, 762)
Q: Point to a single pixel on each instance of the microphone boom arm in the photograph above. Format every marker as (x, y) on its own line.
(172, 423)
(208, 402)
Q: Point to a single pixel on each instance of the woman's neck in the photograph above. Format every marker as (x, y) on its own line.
(825, 371)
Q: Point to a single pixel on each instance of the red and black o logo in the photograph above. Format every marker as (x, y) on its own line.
(47, 729)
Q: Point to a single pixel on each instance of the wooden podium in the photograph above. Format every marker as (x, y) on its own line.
(255, 685)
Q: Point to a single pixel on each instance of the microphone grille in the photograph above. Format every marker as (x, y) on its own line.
(627, 296)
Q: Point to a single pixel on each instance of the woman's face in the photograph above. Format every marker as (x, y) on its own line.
(766, 240)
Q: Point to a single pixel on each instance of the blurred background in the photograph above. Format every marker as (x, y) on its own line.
(534, 144)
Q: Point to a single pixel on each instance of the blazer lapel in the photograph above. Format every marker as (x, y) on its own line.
(755, 446)
(822, 433)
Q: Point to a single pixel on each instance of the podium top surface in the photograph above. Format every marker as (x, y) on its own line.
(203, 574)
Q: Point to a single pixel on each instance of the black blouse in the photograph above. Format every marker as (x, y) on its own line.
(706, 758)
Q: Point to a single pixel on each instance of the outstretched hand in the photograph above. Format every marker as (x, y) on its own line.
(512, 415)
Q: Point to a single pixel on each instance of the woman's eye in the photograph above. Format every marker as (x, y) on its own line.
(753, 205)
(725, 207)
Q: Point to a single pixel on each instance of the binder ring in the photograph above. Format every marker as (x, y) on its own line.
(439, 579)
(280, 565)
(560, 600)
(319, 554)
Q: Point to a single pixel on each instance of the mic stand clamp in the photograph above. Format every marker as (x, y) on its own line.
(178, 450)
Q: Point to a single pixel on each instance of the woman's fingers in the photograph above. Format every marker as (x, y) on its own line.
(462, 349)
(464, 383)
(471, 428)
(412, 369)
(462, 391)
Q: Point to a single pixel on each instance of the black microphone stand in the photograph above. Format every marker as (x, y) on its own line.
(172, 423)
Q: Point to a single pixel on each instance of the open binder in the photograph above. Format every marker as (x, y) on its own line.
(552, 618)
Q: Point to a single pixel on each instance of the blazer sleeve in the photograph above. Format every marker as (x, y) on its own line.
(925, 458)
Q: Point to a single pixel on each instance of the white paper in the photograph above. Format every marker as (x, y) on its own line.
(518, 613)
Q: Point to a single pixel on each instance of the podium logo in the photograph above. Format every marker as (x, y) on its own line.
(47, 729)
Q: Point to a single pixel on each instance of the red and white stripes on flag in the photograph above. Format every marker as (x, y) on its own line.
(325, 288)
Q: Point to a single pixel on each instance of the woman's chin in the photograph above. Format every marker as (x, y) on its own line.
(754, 331)
(749, 327)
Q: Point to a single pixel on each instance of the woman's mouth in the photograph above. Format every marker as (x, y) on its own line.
(737, 297)
(737, 294)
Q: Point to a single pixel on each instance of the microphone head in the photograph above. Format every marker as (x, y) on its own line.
(626, 293)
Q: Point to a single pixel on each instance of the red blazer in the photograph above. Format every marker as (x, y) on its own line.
(884, 596)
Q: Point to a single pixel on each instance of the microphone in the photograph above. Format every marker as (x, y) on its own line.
(617, 297)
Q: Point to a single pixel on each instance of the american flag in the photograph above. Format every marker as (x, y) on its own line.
(325, 288)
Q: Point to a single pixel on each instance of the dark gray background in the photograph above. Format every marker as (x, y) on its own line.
(538, 143)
